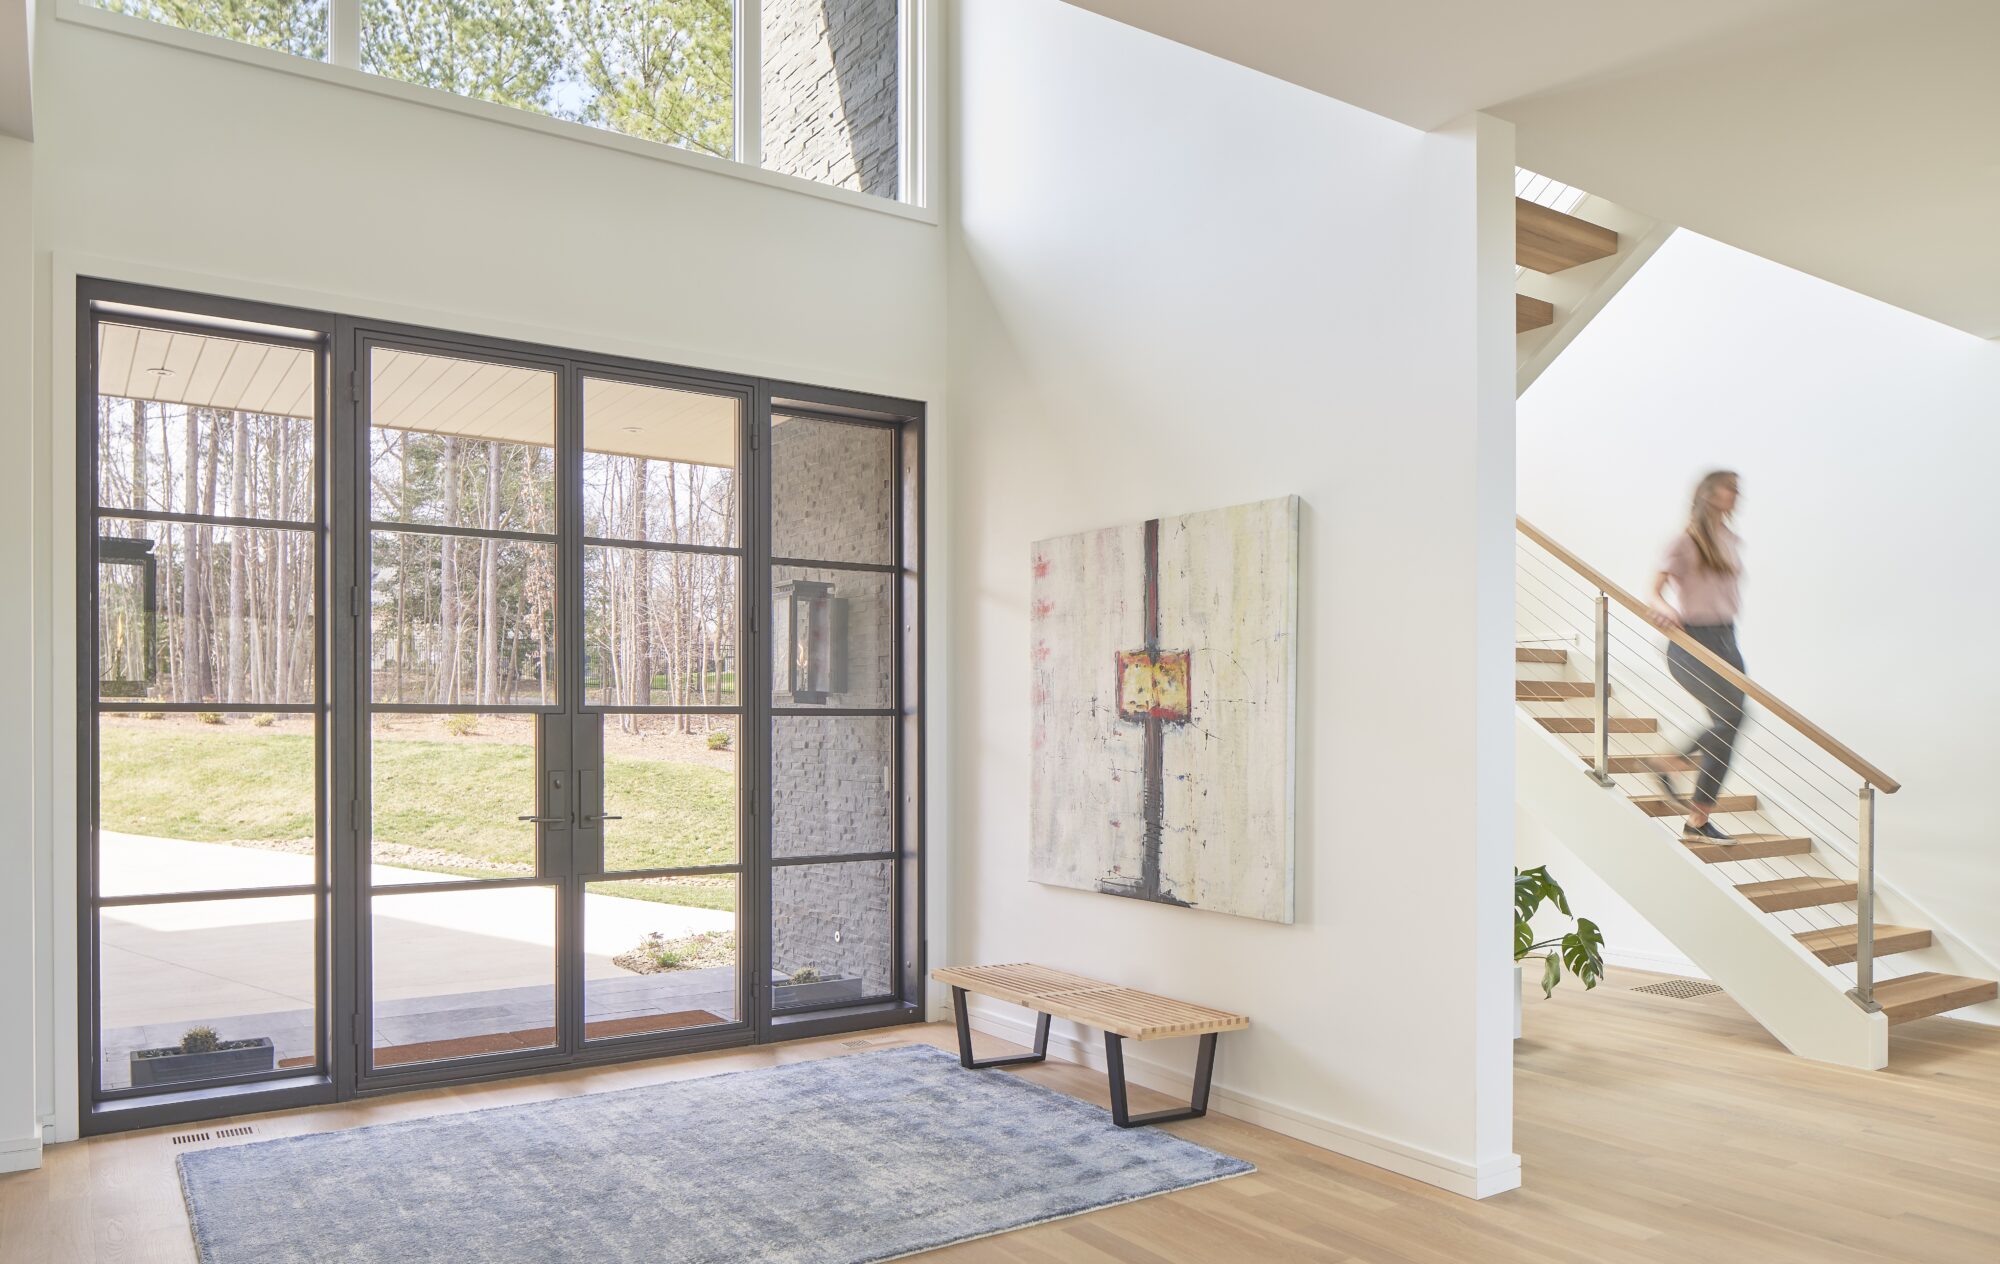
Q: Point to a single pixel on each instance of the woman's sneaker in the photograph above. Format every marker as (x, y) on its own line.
(1707, 832)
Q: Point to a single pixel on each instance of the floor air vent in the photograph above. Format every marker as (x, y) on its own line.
(242, 1131)
(189, 1138)
(1679, 989)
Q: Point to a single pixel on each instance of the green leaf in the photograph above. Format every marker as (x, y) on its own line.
(1524, 939)
(1552, 974)
(1583, 953)
(1553, 891)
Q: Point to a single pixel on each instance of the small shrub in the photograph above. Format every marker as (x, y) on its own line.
(263, 721)
(461, 725)
(805, 974)
(200, 1040)
(152, 715)
(719, 740)
(209, 717)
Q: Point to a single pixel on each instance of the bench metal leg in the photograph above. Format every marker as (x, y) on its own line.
(1121, 1112)
(965, 1058)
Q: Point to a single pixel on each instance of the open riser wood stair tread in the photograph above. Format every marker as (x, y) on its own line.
(1574, 724)
(1532, 313)
(1536, 654)
(1660, 805)
(1663, 761)
(1553, 690)
(1547, 240)
(1749, 847)
(1837, 945)
(1782, 894)
(1916, 996)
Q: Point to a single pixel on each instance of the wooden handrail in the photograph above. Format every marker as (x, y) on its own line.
(1714, 662)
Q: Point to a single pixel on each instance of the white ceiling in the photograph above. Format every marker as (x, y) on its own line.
(1854, 140)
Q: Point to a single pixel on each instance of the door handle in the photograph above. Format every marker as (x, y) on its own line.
(593, 820)
(545, 820)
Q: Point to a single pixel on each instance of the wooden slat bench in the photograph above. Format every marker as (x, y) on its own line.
(1121, 1013)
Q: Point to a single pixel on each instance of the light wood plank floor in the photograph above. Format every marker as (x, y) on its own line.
(1651, 1129)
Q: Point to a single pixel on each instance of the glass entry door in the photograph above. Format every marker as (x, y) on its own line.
(451, 707)
(553, 724)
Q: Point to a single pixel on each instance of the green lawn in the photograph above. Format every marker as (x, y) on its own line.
(454, 800)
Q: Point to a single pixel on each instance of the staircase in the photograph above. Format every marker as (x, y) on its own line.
(1791, 918)
(1572, 252)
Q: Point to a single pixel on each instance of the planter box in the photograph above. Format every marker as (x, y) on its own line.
(819, 992)
(157, 1066)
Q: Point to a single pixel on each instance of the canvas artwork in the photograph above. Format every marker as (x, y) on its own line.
(1165, 660)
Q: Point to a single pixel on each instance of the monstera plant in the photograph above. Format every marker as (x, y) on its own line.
(1581, 949)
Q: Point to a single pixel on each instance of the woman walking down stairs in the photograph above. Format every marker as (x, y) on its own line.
(1767, 881)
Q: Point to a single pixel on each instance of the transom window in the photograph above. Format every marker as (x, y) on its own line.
(808, 88)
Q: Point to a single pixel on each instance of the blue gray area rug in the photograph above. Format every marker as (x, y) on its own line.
(836, 1161)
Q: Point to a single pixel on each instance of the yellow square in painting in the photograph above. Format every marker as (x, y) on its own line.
(1153, 684)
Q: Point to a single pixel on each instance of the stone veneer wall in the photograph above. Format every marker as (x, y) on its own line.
(833, 497)
(830, 94)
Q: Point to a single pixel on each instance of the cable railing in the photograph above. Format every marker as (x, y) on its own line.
(1563, 601)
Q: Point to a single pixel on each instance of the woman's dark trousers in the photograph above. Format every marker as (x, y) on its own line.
(1717, 744)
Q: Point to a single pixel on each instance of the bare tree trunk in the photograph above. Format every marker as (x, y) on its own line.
(642, 640)
(194, 649)
(402, 562)
(448, 667)
(238, 542)
(489, 586)
(281, 615)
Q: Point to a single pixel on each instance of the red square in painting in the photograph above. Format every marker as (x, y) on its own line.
(1153, 684)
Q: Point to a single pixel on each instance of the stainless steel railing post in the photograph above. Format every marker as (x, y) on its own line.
(1864, 905)
(1603, 772)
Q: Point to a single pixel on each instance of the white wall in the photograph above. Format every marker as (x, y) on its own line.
(1867, 442)
(161, 164)
(20, 1134)
(1177, 284)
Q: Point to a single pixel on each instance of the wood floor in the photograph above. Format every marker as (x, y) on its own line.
(1650, 1129)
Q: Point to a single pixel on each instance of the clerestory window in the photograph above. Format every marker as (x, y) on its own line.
(809, 88)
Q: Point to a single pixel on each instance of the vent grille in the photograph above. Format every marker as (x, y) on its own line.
(189, 1138)
(1679, 989)
(240, 1131)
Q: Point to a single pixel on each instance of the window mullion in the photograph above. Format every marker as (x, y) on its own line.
(343, 34)
(749, 92)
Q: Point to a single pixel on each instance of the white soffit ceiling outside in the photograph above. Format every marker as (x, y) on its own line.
(483, 400)
(204, 370)
(473, 399)
(1854, 140)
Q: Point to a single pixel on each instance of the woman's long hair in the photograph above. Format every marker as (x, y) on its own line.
(1705, 523)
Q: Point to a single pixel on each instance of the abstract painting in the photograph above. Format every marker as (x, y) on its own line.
(1164, 667)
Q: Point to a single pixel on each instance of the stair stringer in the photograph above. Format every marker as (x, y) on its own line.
(1766, 971)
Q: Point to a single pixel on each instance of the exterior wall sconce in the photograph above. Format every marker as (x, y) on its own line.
(812, 625)
(127, 622)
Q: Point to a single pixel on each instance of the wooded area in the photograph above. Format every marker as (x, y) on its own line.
(661, 625)
(234, 610)
(658, 69)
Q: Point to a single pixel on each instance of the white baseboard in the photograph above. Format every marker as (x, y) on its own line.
(21, 1154)
(1405, 1160)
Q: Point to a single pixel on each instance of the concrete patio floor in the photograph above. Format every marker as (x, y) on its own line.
(447, 964)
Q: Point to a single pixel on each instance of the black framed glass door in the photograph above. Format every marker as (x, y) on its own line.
(457, 707)
(203, 878)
